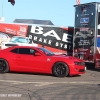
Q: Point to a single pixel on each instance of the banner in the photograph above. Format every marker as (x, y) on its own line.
(54, 37)
(14, 29)
(84, 35)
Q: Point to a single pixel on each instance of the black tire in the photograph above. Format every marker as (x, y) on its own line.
(4, 67)
(60, 69)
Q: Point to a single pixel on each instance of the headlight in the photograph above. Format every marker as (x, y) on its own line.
(79, 63)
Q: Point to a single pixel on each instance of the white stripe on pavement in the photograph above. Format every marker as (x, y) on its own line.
(48, 83)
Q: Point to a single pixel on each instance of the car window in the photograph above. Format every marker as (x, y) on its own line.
(14, 50)
(46, 51)
(20, 40)
(24, 51)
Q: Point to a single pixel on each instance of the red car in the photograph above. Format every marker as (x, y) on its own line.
(39, 60)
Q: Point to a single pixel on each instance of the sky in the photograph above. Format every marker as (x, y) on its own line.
(60, 12)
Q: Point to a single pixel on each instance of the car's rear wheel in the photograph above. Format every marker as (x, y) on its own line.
(60, 69)
(4, 67)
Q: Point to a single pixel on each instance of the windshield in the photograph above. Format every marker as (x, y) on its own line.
(47, 52)
(20, 40)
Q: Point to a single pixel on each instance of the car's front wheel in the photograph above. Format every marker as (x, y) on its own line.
(60, 69)
(4, 67)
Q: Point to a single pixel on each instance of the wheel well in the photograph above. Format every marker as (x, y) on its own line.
(3, 59)
(61, 62)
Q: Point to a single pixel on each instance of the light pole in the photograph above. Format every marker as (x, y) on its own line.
(2, 7)
(2, 18)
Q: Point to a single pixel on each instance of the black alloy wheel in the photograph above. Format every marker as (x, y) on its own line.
(60, 69)
(4, 67)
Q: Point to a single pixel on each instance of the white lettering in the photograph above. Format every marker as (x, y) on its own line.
(22, 29)
(30, 36)
(61, 44)
(49, 42)
(57, 44)
(39, 30)
(35, 38)
(45, 40)
(40, 39)
(36, 30)
(65, 37)
(53, 34)
(65, 46)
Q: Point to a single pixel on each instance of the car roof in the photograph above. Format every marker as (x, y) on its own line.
(14, 47)
(24, 47)
(20, 36)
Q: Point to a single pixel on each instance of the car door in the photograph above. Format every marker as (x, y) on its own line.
(27, 61)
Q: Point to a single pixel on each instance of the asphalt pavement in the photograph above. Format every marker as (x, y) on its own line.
(26, 86)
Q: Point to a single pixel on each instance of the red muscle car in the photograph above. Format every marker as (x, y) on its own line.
(39, 60)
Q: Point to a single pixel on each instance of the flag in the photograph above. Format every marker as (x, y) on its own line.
(77, 2)
(12, 2)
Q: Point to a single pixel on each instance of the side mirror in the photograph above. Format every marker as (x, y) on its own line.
(37, 54)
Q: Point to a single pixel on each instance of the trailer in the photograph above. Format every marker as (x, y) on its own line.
(57, 39)
(86, 41)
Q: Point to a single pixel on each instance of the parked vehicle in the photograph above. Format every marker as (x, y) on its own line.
(39, 60)
(3, 37)
(86, 41)
(17, 41)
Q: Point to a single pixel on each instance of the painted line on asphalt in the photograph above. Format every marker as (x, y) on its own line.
(49, 83)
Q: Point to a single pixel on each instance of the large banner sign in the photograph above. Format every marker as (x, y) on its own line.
(84, 26)
(14, 29)
(54, 37)
(84, 34)
(85, 15)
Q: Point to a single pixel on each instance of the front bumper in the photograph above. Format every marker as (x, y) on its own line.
(76, 69)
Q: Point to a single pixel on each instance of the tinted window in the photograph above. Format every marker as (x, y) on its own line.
(47, 52)
(14, 50)
(26, 51)
(23, 51)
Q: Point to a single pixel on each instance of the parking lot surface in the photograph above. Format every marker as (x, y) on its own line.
(25, 86)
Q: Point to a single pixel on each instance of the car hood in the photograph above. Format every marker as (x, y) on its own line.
(68, 57)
